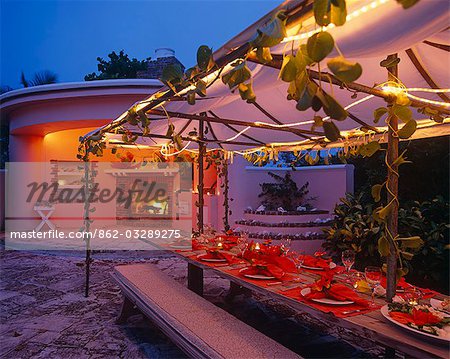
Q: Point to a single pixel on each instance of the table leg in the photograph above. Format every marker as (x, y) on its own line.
(195, 279)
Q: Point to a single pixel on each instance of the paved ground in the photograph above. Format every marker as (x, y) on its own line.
(43, 313)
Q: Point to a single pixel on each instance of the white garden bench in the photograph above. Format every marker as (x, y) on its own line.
(198, 327)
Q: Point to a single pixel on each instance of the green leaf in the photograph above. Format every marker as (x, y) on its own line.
(205, 60)
(305, 99)
(304, 51)
(246, 92)
(322, 10)
(376, 192)
(383, 247)
(378, 113)
(331, 131)
(237, 75)
(407, 130)
(288, 70)
(384, 211)
(263, 54)
(178, 142)
(406, 4)
(170, 130)
(333, 108)
(297, 87)
(272, 33)
(390, 61)
(338, 12)
(319, 45)
(414, 242)
(344, 70)
(406, 255)
(404, 113)
(201, 88)
(369, 149)
(172, 74)
(191, 97)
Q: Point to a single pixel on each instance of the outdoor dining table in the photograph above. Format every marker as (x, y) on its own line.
(369, 325)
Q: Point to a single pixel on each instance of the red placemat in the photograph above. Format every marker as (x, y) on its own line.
(338, 311)
(259, 282)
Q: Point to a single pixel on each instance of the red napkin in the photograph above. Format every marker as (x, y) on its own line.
(316, 262)
(338, 292)
(267, 269)
(269, 254)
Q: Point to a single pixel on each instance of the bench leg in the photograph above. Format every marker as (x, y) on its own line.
(128, 309)
(195, 279)
(389, 353)
(236, 289)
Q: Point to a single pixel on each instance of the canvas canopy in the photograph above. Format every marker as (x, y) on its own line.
(374, 29)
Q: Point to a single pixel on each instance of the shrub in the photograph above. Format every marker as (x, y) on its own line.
(354, 228)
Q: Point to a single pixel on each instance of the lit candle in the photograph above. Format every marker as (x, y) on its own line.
(257, 247)
(220, 245)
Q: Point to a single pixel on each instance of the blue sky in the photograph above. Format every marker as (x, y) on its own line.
(67, 36)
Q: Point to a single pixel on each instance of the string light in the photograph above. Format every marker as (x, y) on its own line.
(351, 16)
(399, 89)
(165, 148)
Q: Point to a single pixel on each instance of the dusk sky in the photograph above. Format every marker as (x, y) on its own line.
(67, 36)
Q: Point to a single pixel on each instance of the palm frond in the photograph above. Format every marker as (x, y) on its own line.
(43, 78)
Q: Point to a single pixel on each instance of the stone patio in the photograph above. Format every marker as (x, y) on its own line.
(44, 313)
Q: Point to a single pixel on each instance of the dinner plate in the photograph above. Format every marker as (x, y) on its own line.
(437, 304)
(202, 258)
(332, 265)
(255, 276)
(385, 313)
(328, 301)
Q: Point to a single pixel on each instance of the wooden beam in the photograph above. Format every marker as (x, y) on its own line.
(273, 118)
(327, 77)
(200, 186)
(184, 138)
(392, 186)
(237, 131)
(438, 46)
(236, 122)
(424, 73)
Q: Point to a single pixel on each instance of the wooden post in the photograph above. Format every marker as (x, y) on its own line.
(195, 279)
(201, 153)
(226, 199)
(392, 185)
(87, 176)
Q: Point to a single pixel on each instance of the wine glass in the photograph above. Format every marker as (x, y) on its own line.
(348, 259)
(373, 278)
(298, 259)
(242, 242)
(285, 244)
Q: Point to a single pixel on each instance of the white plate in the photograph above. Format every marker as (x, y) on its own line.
(332, 265)
(201, 257)
(385, 312)
(306, 291)
(255, 276)
(437, 304)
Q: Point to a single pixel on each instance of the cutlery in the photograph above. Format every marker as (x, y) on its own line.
(352, 311)
(274, 283)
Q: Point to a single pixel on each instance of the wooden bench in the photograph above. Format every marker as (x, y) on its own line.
(198, 327)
